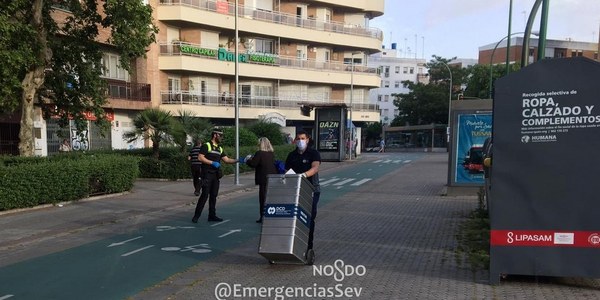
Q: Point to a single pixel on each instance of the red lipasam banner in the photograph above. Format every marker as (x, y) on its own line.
(545, 238)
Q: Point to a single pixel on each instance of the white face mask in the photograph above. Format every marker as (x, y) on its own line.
(301, 144)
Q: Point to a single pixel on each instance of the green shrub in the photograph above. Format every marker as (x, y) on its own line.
(271, 131)
(26, 182)
(247, 137)
(474, 237)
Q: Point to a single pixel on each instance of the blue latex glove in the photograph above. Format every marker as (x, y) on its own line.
(242, 160)
(216, 164)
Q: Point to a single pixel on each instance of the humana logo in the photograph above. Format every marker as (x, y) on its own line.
(543, 138)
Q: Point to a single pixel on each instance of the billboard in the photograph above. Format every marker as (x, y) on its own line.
(472, 130)
(544, 207)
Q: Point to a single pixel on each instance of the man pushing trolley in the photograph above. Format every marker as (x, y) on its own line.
(291, 207)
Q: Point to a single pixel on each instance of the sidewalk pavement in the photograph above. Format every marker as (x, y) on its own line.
(402, 233)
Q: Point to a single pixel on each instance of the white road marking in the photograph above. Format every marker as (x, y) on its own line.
(361, 181)
(136, 251)
(378, 161)
(5, 297)
(225, 221)
(193, 247)
(121, 243)
(345, 181)
(397, 161)
(230, 232)
(329, 181)
(407, 161)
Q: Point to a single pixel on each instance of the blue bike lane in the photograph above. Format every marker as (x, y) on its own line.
(125, 264)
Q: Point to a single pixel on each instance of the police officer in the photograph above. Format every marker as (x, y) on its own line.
(211, 154)
(305, 161)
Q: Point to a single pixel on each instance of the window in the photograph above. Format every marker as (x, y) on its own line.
(387, 71)
(378, 98)
(112, 69)
(396, 112)
(263, 46)
(263, 91)
(420, 70)
(357, 61)
(174, 84)
(405, 70)
(386, 98)
(596, 55)
(412, 70)
(397, 69)
(381, 85)
(396, 84)
(386, 84)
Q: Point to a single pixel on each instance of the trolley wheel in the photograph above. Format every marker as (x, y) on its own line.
(310, 257)
(271, 262)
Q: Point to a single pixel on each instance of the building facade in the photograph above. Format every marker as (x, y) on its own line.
(392, 71)
(554, 49)
(290, 53)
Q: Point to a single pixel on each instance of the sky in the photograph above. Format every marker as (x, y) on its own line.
(457, 28)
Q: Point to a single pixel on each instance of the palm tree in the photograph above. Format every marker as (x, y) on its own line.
(153, 124)
(198, 129)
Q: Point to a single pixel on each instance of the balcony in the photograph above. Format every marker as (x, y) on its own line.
(320, 71)
(224, 100)
(252, 13)
(123, 90)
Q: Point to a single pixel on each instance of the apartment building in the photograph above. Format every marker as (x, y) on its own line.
(554, 49)
(290, 53)
(393, 70)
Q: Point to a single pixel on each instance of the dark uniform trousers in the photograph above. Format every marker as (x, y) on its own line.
(196, 173)
(210, 190)
(313, 216)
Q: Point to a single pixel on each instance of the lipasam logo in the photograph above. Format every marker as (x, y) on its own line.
(525, 139)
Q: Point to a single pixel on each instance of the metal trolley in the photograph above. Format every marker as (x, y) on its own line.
(286, 220)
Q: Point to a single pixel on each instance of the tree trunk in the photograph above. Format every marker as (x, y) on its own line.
(155, 151)
(32, 82)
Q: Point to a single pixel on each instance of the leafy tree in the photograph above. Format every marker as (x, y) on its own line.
(423, 104)
(269, 130)
(373, 132)
(156, 125)
(52, 57)
(478, 84)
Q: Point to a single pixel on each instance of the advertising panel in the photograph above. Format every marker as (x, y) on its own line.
(544, 201)
(472, 131)
(329, 132)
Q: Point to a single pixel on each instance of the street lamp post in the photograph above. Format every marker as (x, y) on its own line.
(449, 102)
(492, 59)
(351, 138)
(237, 97)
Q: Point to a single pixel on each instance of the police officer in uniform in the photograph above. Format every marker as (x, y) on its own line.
(211, 155)
(305, 161)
